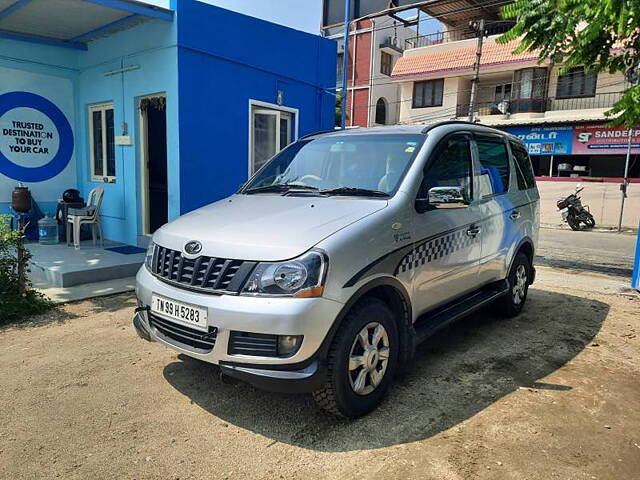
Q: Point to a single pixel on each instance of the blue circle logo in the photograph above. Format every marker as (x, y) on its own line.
(60, 160)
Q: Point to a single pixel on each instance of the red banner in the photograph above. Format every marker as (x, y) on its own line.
(604, 140)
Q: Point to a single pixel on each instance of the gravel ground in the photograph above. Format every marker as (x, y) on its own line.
(554, 393)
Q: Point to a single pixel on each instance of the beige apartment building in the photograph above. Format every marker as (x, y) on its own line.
(561, 117)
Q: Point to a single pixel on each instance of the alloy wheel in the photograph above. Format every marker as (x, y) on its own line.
(520, 287)
(368, 358)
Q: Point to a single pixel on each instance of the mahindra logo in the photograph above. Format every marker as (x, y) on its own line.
(193, 248)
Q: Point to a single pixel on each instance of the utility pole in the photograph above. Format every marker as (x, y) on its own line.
(625, 180)
(479, 28)
(345, 64)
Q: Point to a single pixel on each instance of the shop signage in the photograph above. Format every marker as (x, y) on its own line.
(545, 140)
(36, 139)
(604, 140)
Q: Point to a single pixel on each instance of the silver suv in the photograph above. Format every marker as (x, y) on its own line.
(341, 254)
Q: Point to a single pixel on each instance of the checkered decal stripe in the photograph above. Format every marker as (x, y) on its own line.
(434, 249)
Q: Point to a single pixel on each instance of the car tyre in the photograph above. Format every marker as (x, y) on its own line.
(519, 279)
(349, 360)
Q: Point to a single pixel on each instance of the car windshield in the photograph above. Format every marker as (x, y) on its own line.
(340, 165)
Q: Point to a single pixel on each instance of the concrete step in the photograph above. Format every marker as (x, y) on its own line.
(61, 266)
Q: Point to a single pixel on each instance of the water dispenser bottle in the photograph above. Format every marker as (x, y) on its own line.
(48, 230)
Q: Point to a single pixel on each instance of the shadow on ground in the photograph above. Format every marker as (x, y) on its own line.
(584, 266)
(59, 315)
(457, 373)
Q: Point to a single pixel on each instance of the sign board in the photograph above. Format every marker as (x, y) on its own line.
(36, 134)
(556, 140)
(577, 140)
(604, 140)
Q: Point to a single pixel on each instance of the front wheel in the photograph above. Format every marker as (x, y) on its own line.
(589, 221)
(512, 303)
(573, 222)
(361, 362)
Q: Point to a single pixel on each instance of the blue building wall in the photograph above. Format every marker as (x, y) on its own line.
(151, 48)
(226, 59)
(209, 63)
(39, 69)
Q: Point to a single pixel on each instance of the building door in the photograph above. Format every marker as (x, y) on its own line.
(154, 162)
(271, 131)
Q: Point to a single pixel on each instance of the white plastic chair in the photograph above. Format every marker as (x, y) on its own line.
(89, 214)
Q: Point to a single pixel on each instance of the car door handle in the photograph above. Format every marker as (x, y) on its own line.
(473, 231)
(514, 215)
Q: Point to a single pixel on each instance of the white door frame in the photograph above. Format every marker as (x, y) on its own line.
(270, 106)
(144, 156)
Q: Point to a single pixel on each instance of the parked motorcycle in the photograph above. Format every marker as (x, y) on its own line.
(573, 212)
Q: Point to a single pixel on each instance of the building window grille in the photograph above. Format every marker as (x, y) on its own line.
(102, 142)
(428, 93)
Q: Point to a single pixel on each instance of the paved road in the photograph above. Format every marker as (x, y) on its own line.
(603, 252)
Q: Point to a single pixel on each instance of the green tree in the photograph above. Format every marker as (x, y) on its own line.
(602, 35)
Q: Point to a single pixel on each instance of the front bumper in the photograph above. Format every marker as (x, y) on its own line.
(310, 317)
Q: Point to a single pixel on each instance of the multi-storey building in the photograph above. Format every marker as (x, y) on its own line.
(560, 116)
(376, 42)
(374, 47)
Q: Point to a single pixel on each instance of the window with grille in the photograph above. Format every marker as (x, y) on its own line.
(386, 63)
(102, 142)
(577, 83)
(428, 93)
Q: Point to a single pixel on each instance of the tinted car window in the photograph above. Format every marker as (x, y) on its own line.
(524, 169)
(494, 162)
(450, 166)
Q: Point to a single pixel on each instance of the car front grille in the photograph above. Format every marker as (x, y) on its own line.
(208, 274)
(258, 344)
(185, 337)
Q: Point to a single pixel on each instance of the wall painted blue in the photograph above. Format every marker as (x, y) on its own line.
(151, 47)
(56, 62)
(224, 60)
(209, 62)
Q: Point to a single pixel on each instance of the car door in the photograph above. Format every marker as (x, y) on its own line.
(447, 249)
(499, 199)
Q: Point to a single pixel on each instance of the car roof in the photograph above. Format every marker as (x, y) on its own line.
(449, 125)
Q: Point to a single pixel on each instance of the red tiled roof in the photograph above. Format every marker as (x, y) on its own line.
(460, 59)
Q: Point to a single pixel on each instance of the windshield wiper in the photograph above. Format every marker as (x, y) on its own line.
(362, 192)
(280, 187)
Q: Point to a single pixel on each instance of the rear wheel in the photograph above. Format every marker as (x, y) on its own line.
(361, 361)
(512, 303)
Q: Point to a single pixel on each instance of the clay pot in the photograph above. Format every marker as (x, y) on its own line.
(21, 200)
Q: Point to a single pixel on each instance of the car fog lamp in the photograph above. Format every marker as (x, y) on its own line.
(288, 345)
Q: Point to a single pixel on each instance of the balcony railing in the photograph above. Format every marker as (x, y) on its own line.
(437, 38)
(392, 43)
(447, 36)
(600, 100)
(529, 105)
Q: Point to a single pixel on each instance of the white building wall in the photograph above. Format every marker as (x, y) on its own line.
(381, 85)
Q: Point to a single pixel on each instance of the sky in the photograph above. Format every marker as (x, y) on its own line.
(304, 15)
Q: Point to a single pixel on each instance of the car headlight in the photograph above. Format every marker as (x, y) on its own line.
(302, 277)
(148, 258)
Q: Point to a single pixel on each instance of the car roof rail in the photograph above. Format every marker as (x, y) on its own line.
(449, 122)
(313, 134)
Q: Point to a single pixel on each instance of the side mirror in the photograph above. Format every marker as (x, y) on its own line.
(443, 197)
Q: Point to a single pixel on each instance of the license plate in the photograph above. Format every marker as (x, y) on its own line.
(189, 315)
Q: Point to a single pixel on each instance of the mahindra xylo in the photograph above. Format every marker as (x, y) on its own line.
(341, 254)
